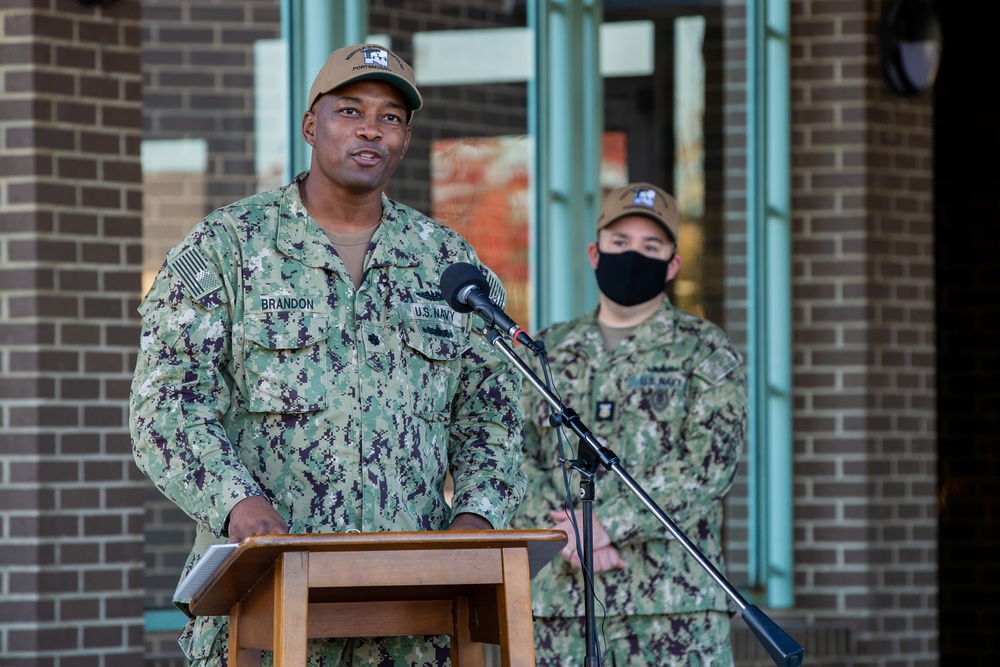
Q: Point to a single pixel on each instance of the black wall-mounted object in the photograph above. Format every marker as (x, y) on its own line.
(911, 45)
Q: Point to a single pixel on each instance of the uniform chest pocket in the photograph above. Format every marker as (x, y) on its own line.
(285, 362)
(432, 364)
(651, 420)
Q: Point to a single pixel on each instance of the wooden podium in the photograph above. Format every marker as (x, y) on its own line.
(279, 590)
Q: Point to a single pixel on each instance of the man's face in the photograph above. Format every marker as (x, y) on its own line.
(633, 232)
(638, 233)
(358, 133)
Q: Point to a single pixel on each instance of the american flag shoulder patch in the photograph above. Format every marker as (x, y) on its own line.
(497, 293)
(717, 366)
(198, 276)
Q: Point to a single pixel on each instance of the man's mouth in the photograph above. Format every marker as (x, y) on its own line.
(368, 155)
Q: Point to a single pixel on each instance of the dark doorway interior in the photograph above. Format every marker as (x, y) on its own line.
(967, 229)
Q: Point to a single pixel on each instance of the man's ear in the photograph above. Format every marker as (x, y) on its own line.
(674, 267)
(406, 142)
(593, 253)
(309, 128)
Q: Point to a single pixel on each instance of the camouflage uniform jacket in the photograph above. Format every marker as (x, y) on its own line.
(262, 371)
(671, 401)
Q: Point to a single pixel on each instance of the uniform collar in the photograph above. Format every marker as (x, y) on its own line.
(299, 237)
(658, 330)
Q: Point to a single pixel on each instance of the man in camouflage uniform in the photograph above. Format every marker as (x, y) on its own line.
(300, 372)
(665, 391)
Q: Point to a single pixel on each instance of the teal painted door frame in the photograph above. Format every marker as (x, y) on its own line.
(769, 344)
(566, 120)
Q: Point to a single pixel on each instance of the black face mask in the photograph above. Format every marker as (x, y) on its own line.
(630, 278)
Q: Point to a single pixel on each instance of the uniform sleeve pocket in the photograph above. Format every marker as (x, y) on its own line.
(286, 362)
(198, 638)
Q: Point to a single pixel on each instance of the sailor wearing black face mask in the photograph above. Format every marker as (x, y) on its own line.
(635, 254)
(667, 392)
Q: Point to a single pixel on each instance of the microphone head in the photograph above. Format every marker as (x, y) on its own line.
(456, 278)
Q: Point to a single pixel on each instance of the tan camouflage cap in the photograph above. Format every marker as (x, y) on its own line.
(366, 61)
(640, 199)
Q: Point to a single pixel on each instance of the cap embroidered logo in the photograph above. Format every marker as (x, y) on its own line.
(645, 198)
(377, 57)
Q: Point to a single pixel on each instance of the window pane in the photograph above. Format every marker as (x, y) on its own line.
(201, 107)
(665, 98)
(469, 159)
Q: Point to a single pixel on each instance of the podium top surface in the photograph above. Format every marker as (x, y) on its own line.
(256, 555)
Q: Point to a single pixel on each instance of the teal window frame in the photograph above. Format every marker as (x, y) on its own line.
(566, 121)
(769, 339)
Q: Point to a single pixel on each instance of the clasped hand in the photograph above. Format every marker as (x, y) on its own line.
(605, 553)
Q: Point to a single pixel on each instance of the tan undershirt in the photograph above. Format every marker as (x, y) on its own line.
(614, 335)
(352, 248)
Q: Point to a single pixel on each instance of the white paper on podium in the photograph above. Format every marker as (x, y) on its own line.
(206, 566)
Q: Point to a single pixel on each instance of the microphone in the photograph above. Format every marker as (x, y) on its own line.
(465, 289)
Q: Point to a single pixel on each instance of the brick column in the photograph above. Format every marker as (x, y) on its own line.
(71, 508)
(864, 355)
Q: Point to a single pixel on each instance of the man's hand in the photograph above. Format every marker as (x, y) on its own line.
(254, 516)
(605, 554)
(605, 558)
(469, 521)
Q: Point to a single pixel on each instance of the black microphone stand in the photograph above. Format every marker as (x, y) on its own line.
(783, 650)
(586, 465)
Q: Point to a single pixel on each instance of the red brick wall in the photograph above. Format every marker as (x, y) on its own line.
(70, 196)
